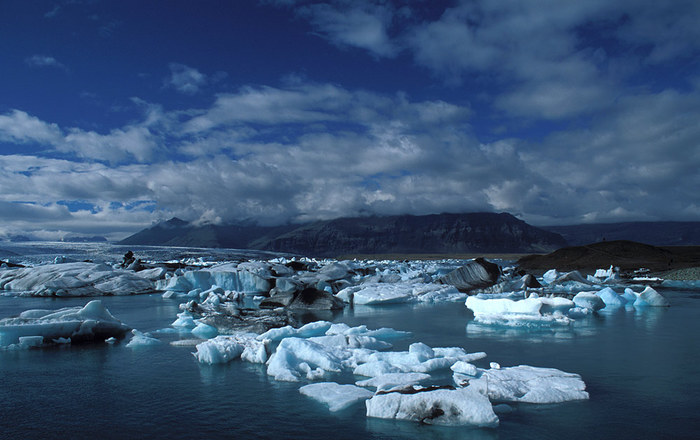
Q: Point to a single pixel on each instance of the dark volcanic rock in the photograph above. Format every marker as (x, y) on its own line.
(13, 265)
(477, 274)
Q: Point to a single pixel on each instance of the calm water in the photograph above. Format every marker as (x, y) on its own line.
(642, 370)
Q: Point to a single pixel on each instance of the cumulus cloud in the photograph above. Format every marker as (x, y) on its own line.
(185, 79)
(546, 58)
(19, 127)
(311, 151)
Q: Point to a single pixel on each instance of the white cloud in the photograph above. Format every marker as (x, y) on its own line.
(311, 151)
(355, 24)
(44, 61)
(135, 142)
(20, 127)
(185, 79)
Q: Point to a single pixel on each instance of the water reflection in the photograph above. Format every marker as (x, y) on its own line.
(407, 429)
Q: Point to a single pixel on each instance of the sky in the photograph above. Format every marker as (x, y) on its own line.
(115, 115)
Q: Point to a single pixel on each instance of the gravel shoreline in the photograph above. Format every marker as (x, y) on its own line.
(687, 274)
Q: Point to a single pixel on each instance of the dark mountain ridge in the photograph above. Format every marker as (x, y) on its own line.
(437, 233)
(664, 233)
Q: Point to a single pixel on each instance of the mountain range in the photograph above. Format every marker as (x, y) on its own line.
(408, 234)
(653, 233)
(439, 233)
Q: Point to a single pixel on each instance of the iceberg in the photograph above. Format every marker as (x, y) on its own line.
(477, 273)
(248, 277)
(316, 328)
(225, 348)
(611, 298)
(141, 340)
(525, 312)
(296, 358)
(434, 405)
(204, 331)
(73, 279)
(528, 384)
(336, 396)
(500, 306)
(403, 292)
(93, 322)
(650, 297)
(589, 300)
(418, 359)
(390, 380)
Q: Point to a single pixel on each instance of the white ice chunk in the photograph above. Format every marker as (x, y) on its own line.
(184, 320)
(383, 333)
(316, 328)
(589, 300)
(376, 368)
(390, 380)
(204, 331)
(399, 292)
(296, 358)
(462, 406)
(382, 294)
(225, 348)
(141, 339)
(529, 384)
(650, 297)
(550, 276)
(462, 367)
(555, 304)
(499, 306)
(336, 396)
(611, 298)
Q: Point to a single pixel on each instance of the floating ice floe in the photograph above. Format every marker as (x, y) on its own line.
(589, 300)
(321, 349)
(335, 395)
(73, 279)
(93, 322)
(529, 311)
(248, 277)
(434, 405)
(225, 348)
(140, 339)
(393, 293)
(650, 298)
(556, 310)
(391, 380)
(526, 384)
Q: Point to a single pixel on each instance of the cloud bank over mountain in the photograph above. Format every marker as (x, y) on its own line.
(287, 111)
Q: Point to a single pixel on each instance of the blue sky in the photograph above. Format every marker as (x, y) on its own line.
(117, 114)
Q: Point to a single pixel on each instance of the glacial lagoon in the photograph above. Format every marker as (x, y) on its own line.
(640, 367)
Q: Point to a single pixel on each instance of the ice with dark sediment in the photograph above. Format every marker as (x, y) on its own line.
(74, 279)
(89, 323)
